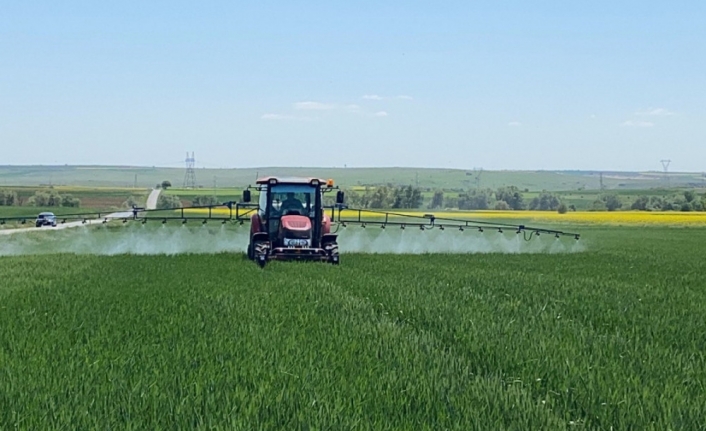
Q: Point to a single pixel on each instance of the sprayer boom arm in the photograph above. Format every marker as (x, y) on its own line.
(383, 219)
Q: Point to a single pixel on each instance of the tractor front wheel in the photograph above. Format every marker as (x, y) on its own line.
(333, 256)
(260, 252)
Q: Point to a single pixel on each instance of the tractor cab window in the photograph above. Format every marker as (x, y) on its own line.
(293, 200)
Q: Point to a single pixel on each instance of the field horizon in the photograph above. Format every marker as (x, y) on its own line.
(433, 178)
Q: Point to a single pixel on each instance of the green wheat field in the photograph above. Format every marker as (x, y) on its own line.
(608, 338)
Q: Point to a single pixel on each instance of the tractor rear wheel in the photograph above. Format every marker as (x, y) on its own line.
(251, 253)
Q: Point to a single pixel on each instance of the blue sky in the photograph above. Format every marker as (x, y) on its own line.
(502, 85)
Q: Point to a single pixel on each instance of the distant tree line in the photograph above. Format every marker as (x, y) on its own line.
(8, 198)
(409, 197)
(686, 201)
(387, 196)
(40, 199)
(511, 198)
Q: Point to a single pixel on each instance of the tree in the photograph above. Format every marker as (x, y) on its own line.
(657, 203)
(641, 203)
(45, 199)
(70, 201)
(545, 202)
(8, 198)
(166, 184)
(406, 197)
(380, 198)
(475, 199)
(598, 205)
(437, 201)
(397, 198)
(562, 209)
(512, 196)
(168, 202)
(689, 195)
(612, 202)
(502, 206)
(412, 197)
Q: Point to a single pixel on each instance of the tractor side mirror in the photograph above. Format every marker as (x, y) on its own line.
(246, 195)
(340, 196)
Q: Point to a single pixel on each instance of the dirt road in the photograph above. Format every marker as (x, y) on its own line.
(150, 204)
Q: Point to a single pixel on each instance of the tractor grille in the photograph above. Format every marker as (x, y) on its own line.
(293, 223)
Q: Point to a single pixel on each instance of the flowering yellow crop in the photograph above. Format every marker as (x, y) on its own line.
(579, 217)
(591, 217)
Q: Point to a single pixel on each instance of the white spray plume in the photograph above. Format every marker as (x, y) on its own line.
(415, 241)
(139, 239)
(133, 239)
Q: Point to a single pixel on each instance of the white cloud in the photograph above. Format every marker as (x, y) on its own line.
(661, 112)
(276, 117)
(593, 115)
(514, 124)
(631, 123)
(281, 117)
(350, 108)
(318, 106)
(376, 97)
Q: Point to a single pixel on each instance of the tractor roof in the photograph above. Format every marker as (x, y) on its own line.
(289, 180)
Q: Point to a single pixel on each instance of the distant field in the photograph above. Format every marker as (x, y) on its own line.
(448, 179)
(93, 200)
(90, 197)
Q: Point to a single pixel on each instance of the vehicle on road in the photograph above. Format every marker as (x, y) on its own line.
(45, 219)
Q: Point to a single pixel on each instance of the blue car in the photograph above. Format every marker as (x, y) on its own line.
(46, 219)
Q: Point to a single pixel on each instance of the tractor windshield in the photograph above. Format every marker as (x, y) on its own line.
(294, 199)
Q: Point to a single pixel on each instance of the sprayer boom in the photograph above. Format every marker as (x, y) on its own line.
(291, 222)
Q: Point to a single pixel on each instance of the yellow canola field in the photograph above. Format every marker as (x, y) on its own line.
(579, 217)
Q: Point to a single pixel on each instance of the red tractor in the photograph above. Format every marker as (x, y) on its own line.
(290, 222)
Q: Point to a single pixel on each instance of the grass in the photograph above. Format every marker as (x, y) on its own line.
(608, 338)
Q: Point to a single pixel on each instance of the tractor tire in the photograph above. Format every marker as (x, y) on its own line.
(260, 252)
(251, 252)
(334, 257)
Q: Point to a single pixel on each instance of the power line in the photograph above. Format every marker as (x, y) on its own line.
(665, 166)
(190, 176)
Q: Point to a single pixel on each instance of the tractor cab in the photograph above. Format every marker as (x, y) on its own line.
(291, 221)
